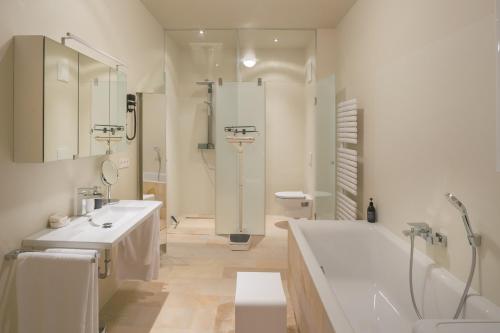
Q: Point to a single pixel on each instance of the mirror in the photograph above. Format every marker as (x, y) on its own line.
(109, 175)
(118, 110)
(109, 172)
(60, 117)
(94, 105)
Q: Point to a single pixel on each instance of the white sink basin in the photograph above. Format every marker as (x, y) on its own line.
(456, 326)
(81, 233)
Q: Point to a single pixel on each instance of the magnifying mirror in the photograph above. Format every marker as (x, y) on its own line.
(109, 175)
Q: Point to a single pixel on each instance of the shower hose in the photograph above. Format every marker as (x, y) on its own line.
(461, 304)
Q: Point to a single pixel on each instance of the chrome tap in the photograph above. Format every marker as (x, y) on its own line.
(422, 229)
(85, 200)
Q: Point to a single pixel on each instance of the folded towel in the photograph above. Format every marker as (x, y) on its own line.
(55, 292)
(138, 256)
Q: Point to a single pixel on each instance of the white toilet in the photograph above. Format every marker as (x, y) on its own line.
(296, 204)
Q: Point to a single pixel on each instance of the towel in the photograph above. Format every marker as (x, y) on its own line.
(138, 256)
(92, 316)
(54, 293)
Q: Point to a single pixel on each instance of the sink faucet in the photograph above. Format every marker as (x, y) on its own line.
(422, 229)
(85, 200)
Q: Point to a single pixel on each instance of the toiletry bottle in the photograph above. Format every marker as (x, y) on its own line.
(371, 213)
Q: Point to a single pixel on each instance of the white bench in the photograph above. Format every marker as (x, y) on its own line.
(260, 303)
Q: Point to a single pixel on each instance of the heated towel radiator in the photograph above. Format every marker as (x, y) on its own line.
(347, 161)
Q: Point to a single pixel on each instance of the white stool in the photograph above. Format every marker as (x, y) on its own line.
(260, 303)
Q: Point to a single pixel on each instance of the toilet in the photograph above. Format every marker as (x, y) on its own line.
(296, 204)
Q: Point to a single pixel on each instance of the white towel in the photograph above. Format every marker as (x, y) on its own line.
(138, 256)
(92, 316)
(54, 292)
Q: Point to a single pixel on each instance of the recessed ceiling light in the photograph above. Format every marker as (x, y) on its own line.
(276, 40)
(216, 65)
(202, 32)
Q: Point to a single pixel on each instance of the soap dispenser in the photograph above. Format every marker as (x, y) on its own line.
(371, 213)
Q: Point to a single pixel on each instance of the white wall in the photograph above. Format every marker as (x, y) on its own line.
(424, 73)
(30, 192)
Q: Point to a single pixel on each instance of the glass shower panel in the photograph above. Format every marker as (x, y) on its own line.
(325, 149)
(240, 104)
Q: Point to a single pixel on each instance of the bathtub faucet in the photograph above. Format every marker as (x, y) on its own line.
(422, 229)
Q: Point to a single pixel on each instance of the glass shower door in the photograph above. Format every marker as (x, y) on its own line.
(240, 104)
(325, 149)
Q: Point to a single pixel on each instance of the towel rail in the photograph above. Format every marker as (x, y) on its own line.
(12, 255)
(347, 160)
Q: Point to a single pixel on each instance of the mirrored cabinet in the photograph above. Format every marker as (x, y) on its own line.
(93, 106)
(66, 104)
(45, 100)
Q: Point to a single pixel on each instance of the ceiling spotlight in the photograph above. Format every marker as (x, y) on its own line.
(249, 62)
(202, 32)
(216, 65)
(276, 40)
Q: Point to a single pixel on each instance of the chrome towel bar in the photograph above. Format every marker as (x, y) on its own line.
(12, 255)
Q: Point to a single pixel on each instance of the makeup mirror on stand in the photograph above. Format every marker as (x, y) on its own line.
(109, 175)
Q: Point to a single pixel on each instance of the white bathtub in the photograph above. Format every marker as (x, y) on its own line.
(152, 177)
(364, 287)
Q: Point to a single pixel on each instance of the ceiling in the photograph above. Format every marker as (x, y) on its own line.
(247, 39)
(227, 14)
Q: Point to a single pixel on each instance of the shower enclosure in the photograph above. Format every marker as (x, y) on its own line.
(247, 77)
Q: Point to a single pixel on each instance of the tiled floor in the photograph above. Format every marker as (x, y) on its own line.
(195, 290)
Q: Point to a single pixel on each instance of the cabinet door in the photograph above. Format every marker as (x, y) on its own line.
(94, 95)
(60, 116)
(118, 110)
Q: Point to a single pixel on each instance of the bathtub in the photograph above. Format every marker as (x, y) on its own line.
(152, 177)
(352, 277)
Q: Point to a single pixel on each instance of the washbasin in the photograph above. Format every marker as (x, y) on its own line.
(456, 326)
(80, 233)
(113, 214)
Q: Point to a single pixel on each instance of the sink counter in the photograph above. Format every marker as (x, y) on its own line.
(80, 233)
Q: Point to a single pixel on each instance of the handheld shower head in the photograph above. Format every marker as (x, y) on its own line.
(457, 203)
(474, 240)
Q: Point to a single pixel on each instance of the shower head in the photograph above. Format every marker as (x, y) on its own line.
(156, 149)
(456, 203)
(474, 239)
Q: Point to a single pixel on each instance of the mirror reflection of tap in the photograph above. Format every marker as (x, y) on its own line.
(158, 159)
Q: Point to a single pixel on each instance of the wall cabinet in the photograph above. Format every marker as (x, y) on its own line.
(66, 104)
(45, 100)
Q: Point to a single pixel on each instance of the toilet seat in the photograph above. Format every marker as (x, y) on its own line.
(290, 195)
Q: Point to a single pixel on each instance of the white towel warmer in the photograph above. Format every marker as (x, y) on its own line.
(347, 161)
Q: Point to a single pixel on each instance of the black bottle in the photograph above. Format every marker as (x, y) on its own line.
(371, 213)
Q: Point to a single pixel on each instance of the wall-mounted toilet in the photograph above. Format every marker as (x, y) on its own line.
(296, 204)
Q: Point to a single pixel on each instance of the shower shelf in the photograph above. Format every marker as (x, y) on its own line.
(205, 146)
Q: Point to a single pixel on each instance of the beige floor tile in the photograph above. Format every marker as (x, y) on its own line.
(198, 275)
